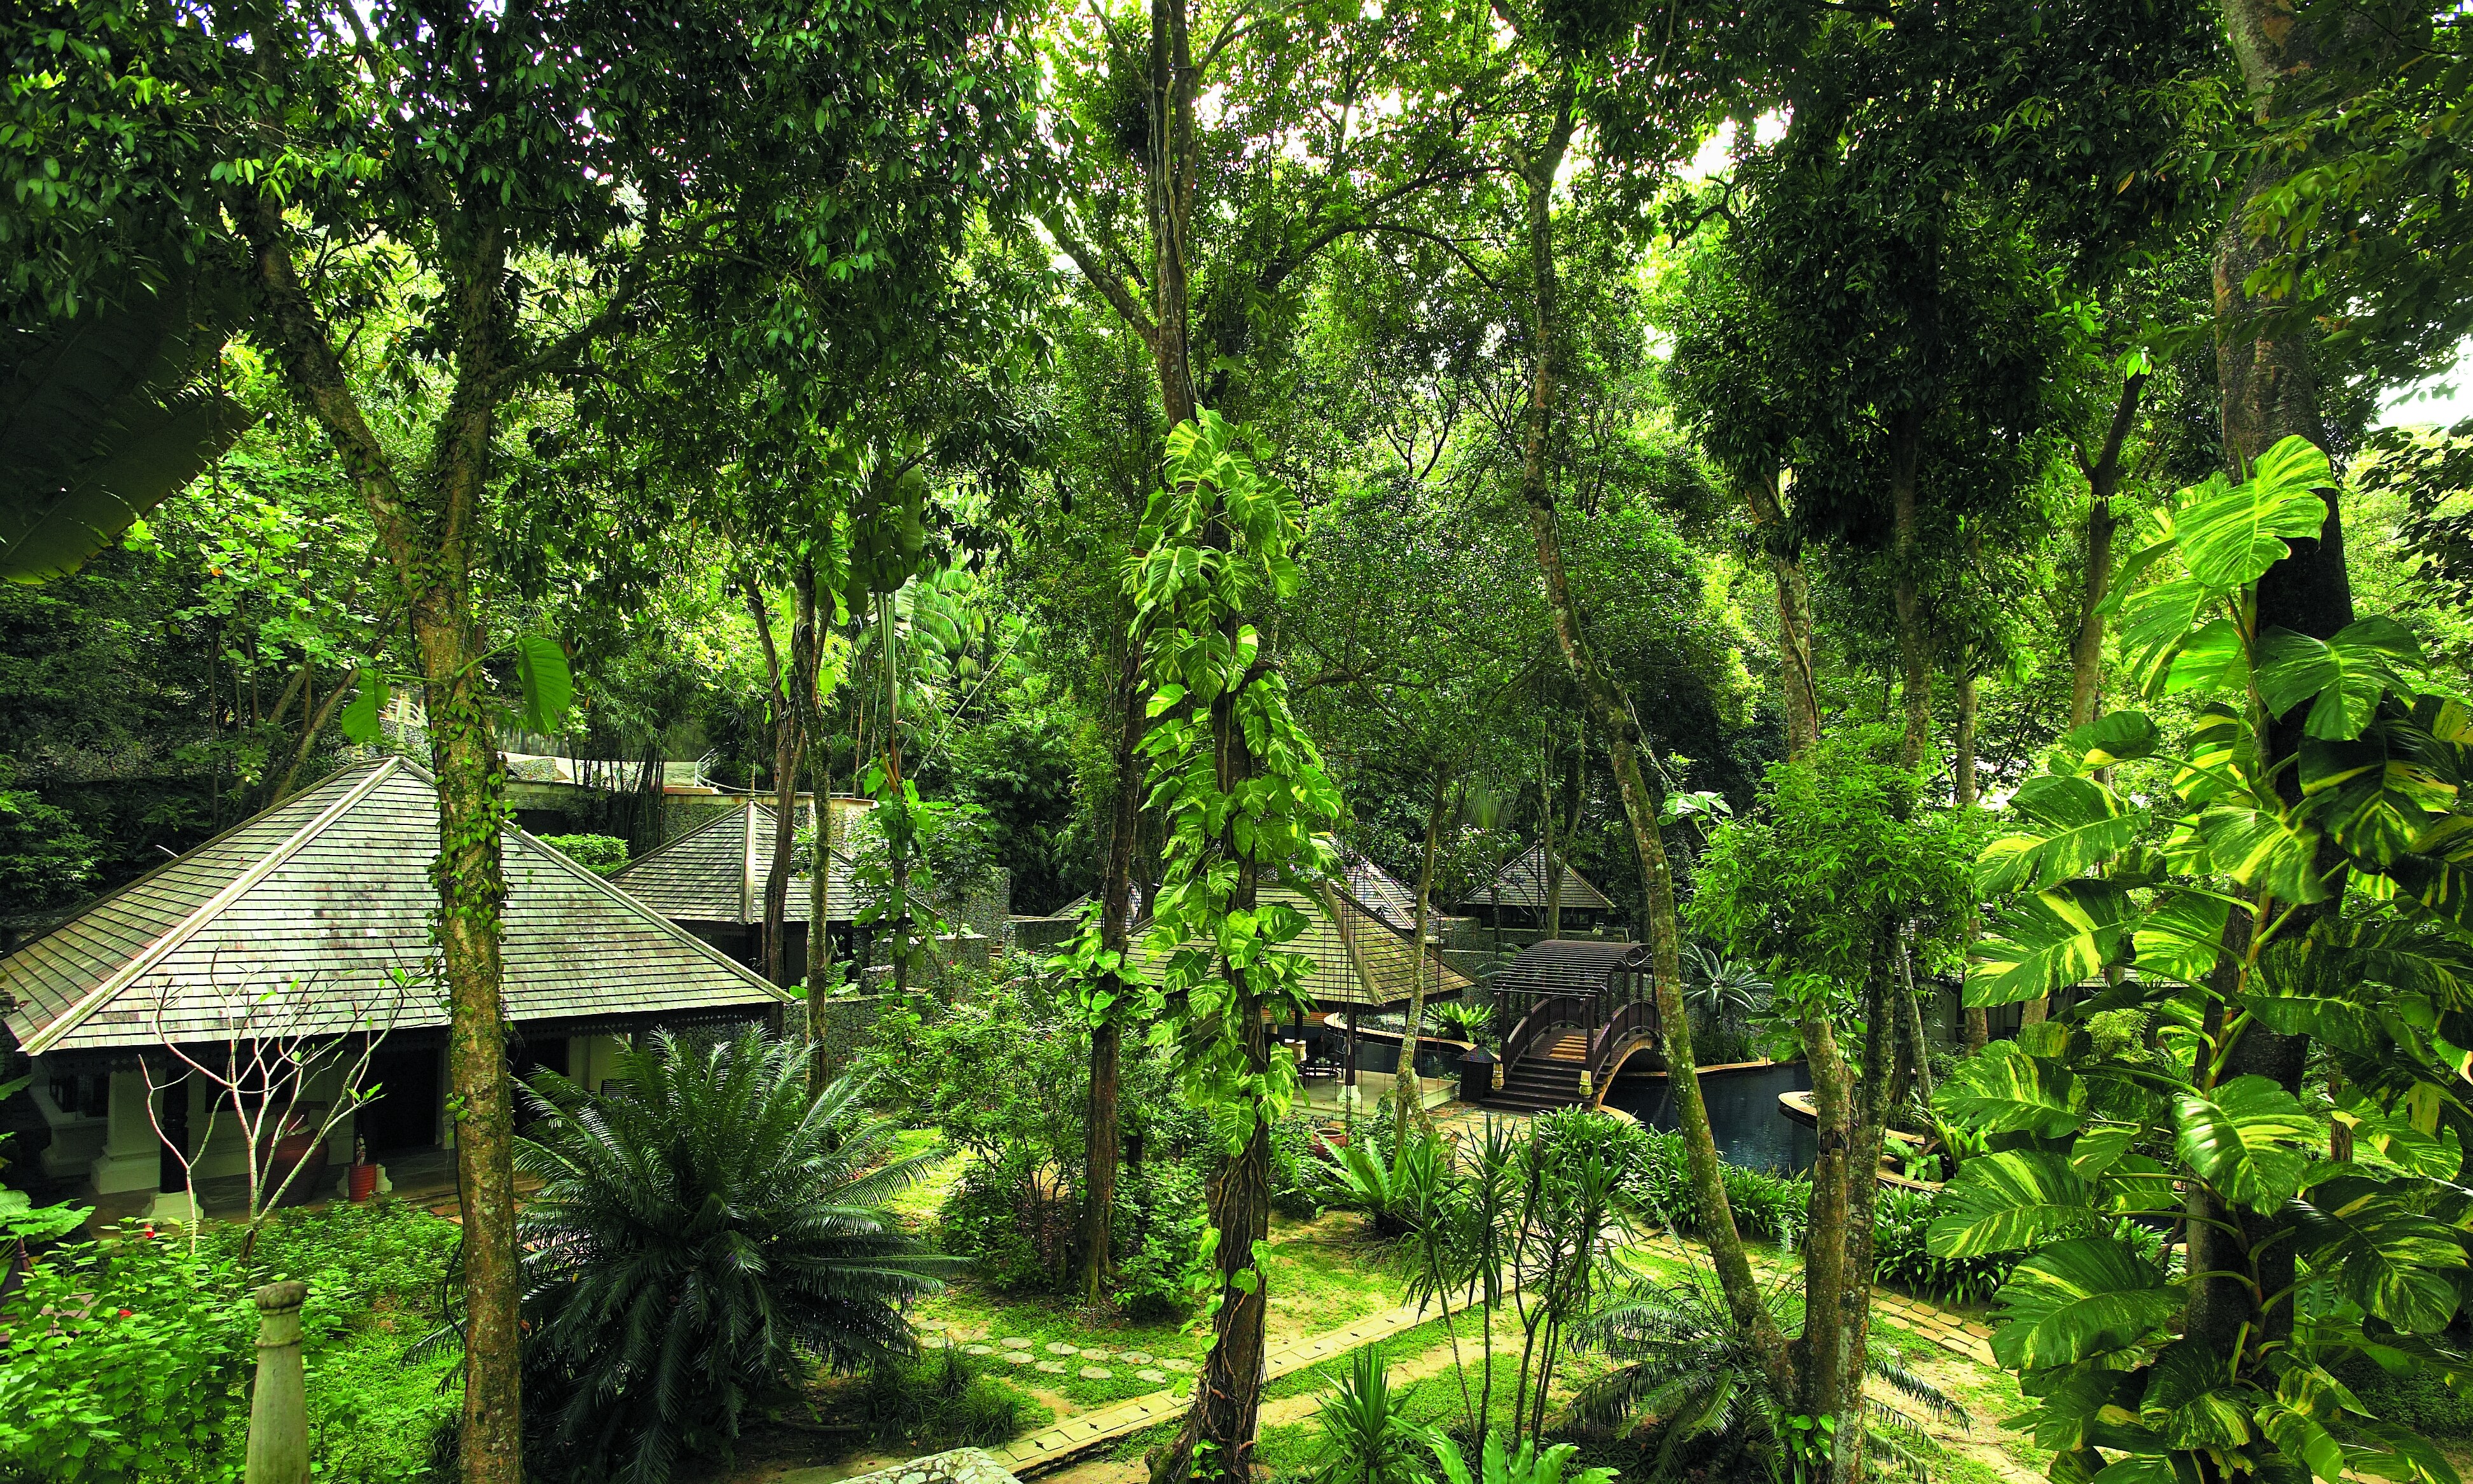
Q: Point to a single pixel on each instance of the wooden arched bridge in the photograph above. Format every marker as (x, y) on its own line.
(1583, 1009)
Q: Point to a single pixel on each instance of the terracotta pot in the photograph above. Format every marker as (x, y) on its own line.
(365, 1181)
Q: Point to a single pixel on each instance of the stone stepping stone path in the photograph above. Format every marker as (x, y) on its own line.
(1182, 1367)
(1014, 1341)
(978, 1350)
(1054, 1367)
(1096, 1374)
(1134, 1358)
(1019, 1358)
(1060, 1348)
(1155, 1377)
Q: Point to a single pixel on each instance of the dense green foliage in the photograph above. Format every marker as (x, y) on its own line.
(129, 1358)
(704, 1233)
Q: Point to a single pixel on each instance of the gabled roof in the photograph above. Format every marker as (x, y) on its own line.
(1384, 894)
(1357, 958)
(1522, 883)
(325, 902)
(715, 873)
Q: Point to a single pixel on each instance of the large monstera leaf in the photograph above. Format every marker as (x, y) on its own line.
(2002, 1089)
(2230, 534)
(2048, 942)
(2381, 1254)
(2248, 1138)
(2008, 1202)
(102, 417)
(2080, 825)
(2343, 678)
(2077, 1300)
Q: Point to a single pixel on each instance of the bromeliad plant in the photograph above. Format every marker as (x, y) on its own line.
(2281, 906)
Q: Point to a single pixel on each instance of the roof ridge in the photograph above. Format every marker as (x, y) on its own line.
(719, 817)
(626, 899)
(204, 912)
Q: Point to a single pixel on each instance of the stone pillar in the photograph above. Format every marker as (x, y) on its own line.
(278, 1409)
(132, 1155)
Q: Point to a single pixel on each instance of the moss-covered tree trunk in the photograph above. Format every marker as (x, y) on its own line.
(1611, 713)
(1102, 1131)
(1799, 691)
(428, 525)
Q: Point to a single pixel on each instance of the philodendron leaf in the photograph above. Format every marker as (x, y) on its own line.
(2263, 848)
(2010, 1201)
(2180, 936)
(2374, 798)
(2249, 1137)
(2075, 1300)
(2002, 1089)
(2048, 942)
(2230, 537)
(2081, 825)
(2213, 658)
(2124, 736)
(2383, 1255)
(2155, 625)
(360, 718)
(2193, 1400)
(2342, 676)
(549, 689)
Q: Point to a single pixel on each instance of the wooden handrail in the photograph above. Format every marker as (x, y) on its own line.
(1546, 1014)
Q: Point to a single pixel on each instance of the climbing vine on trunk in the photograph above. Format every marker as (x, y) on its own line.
(1242, 793)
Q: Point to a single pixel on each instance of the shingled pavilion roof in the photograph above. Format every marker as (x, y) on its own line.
(1357, 958)
(715, 873)
(325, 904)
(1522, 883)
(1381, 893)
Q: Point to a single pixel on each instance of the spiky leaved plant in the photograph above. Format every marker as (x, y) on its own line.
(1683, 1363)
(1365, 1437)
(1390, 1194)
(704, 1234)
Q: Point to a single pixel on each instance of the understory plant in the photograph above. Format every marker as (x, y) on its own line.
(1365, 1438)
(1685, 1367)
(705, 1235)
(2285, 890)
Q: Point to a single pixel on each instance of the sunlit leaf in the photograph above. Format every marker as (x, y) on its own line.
(2002, 1089)
(2249, 1137)
(2123, 736)
(2075, 1300)
(2047, 941)
(2342, 676)
(2230, 537)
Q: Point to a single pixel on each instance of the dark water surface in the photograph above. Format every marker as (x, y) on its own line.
(1743, 1113)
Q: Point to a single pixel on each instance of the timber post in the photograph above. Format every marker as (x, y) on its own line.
(278, 1408)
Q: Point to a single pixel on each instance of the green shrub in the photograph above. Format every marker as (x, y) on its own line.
(150, 1379)
(600, 854)
(1900, 1259)
(702, 1238)
(1003, 1220)
(2416, 1398)
(126, 1360)
(940, 1400)
(1167, 1272)
(1773, 1207)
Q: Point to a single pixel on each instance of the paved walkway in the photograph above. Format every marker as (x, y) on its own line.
(1087, 1432)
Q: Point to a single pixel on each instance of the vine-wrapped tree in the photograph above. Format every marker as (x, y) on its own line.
(515, 188)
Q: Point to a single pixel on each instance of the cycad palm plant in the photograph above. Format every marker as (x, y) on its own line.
(1390, 1194)
(1685, 1364)
(703, 1234)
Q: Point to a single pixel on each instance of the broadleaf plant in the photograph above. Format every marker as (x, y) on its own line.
(2334, 1203)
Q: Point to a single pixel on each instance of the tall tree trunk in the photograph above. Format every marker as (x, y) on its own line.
(1799, 691)
(787, 750)
(1623, 743)
(2267, 376)
(1405, 1090)
(1914, 643)
(2104, 477)
(1965, 770)
(428, 531)
(1102, 1129)
(1822, 1350)
(1547, 858)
